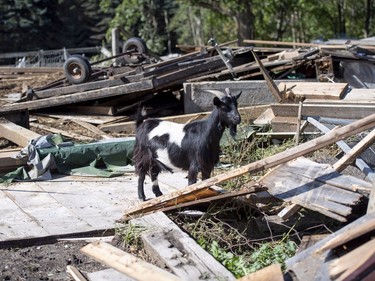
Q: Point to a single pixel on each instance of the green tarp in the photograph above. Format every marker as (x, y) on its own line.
(105, 158)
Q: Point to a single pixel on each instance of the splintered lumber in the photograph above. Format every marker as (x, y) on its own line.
(15, 133)
(173, 248)
(206, 197)
(331, 137)
(354, 264)
(350, 157)
(316, 90)
(270, 273)
(313, 263)
(315, 186)
(350, 234)
(126, 263)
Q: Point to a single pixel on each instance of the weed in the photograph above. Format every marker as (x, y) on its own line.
(130, 237)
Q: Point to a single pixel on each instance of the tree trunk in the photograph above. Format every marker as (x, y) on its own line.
(245, 21)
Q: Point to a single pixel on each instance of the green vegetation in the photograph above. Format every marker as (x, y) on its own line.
(28, 25)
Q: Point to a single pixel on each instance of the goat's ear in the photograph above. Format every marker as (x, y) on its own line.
(217, 101)
(238, 95)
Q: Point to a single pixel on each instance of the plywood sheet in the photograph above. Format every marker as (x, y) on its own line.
(315, 186)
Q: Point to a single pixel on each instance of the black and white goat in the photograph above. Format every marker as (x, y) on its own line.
(193, 147)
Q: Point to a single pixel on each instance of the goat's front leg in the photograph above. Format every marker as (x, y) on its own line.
(206, 175)
(141, 192)
(193, 173)
(155, 183)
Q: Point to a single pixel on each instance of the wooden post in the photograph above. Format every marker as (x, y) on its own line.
(115, 47)
(371, 201)
(298, 123)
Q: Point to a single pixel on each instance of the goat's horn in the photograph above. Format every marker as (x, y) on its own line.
(217, 93)
(227, 90)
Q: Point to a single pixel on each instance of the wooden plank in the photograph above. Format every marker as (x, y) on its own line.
(91, 203)
(16, 134)
(349, 235)
(339, 110)
(353, 264)
(92, 128)
(75, 274)
(289, 211)
(79, 97)
(45, 210)
(308, 264)
(91, 119)
(129, 127)
(175, 249)
(270, 273)
(269, 162)
(126, 263)
(55, 92)
(211, 198)
(371, 201)
(62, 132)
(9, 161)
(350, 157)
(15, 223)
(299, 181)
(271, 84)
(316, 90)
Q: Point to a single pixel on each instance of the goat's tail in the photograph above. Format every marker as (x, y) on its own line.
(140, 116)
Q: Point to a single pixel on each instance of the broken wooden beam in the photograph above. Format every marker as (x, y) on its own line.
(313, 263)
(126, 263)
(140, 86)
(15, 133)
(269, 162)
(350, 157)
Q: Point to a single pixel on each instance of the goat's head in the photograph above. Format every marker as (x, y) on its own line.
(226, 103)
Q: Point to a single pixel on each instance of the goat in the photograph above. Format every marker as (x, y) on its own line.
(193, 147)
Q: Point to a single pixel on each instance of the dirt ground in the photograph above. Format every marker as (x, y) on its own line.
(45, 261)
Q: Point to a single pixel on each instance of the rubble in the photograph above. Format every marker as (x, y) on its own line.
(299, 92)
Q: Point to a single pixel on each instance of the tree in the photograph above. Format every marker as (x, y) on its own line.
(241, 11)
(147, 19)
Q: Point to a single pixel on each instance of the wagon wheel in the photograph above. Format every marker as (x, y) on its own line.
(139, 49)
(77, 69)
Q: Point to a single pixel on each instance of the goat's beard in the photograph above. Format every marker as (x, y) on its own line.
(233, 130)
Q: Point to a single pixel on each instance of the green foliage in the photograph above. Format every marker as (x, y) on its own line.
(266, 254)
(52, 24)
(272, 252)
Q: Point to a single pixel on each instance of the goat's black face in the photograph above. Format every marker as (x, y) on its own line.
(228, 111)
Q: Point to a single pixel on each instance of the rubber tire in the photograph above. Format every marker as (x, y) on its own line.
(140, 47)
(81, 65)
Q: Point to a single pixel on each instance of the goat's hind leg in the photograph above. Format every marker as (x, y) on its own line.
(155, 183)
